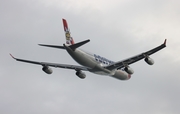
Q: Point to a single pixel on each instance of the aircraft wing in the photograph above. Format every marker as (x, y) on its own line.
(74, 67)
(123, 63)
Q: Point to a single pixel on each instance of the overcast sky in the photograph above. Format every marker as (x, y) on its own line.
(118, 29)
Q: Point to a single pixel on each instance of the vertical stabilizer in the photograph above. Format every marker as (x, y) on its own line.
(69, 39)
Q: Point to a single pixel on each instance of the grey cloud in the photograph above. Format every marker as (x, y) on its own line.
(117, 32)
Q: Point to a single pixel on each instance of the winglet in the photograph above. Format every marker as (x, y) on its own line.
(165, 41)
(12, 56)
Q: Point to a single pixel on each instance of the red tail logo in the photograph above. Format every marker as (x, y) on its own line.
(69, 39)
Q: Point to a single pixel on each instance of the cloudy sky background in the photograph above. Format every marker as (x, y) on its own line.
(117, 29)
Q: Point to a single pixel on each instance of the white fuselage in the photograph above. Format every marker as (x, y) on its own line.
(96, 64)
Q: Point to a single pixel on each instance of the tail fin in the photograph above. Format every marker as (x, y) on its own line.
(69, 39)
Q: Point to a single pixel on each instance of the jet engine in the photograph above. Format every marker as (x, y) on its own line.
(149, 60)
(81, 74)
(47, 69)
(129, 70)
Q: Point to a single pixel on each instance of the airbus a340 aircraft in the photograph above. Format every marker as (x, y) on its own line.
(93, 62)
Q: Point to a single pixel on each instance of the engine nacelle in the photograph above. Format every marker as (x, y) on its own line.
(129, 70)
(149, 60)
(81, 74)
(47, 69)
(120, 74)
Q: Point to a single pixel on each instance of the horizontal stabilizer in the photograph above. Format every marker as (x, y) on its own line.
(53, 46)
(74, 46)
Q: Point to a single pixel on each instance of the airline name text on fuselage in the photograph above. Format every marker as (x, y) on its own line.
(103, 60)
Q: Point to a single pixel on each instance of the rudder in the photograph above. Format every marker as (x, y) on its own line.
(69, 39)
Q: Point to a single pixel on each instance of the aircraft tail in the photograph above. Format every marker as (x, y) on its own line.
(69, 39)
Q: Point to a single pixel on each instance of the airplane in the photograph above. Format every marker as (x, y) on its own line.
(93, 62)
